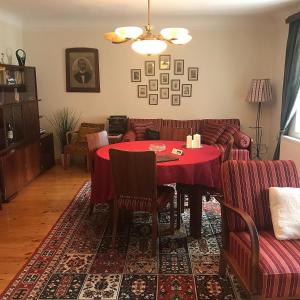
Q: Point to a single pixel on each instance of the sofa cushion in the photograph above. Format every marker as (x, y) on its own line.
(229, 131)
(279, 263)
(151, 134)
(241, 140)
(211, 132)
(140, 128)
(285, 212)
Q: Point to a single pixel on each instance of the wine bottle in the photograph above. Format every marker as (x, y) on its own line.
(10, 133)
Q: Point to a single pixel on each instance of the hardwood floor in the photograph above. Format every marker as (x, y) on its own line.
(27, 218)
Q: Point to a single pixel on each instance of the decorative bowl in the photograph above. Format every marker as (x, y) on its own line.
(157, 147)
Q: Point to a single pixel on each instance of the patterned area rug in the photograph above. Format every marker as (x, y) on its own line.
(76, 261)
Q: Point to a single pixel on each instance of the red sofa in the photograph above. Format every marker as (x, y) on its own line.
(206, 127)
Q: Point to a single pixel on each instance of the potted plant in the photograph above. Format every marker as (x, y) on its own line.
(63, 121)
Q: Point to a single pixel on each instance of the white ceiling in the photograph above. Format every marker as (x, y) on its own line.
(28, 10)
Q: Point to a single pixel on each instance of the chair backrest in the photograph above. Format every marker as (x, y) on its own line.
(95, 141)
(134, 178)
(174, 134)
(87, 128)
(227, 152)
(245, 186)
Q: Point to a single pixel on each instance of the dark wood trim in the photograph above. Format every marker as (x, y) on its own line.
(293, 18)
(254, 243)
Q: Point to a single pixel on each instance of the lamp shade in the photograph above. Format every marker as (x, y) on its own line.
(260, 91)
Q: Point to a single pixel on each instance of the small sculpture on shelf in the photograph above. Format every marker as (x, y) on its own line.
(21, 57)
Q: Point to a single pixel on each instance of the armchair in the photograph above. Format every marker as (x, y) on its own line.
(268, 268)
(77, 143)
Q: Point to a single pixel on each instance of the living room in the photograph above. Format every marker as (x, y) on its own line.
(232, 43)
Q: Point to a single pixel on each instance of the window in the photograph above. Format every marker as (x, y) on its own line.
(295, 125)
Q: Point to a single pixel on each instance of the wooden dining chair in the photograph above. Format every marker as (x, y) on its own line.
(183, 189)
(174, 134)
(135, 188)
(94, 142)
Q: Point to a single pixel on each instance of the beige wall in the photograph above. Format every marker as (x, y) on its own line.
(228, 53)
(11, 37)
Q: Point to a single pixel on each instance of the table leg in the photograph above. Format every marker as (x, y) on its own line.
(195, 201)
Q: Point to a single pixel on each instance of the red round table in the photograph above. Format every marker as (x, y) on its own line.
(196, 167)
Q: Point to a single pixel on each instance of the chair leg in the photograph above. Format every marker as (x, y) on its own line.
(172, 219)
(154, 231)
(91, 210)
(88, 163)
(178, 211)
(115, 225)
(65, 160)
(182, 203)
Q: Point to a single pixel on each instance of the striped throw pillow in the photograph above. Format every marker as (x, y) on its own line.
(211, 132)
(140, 128)
(229, 131)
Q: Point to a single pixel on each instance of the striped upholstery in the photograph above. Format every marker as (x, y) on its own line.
(229, 131)
(241, 140)
(129, 136)
(246, 183)
(193, 124)
(211, 132)
(235, 122)
(156, 122)
(279, 263)
(236, 154)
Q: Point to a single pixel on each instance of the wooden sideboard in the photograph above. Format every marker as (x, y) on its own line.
(24, 153)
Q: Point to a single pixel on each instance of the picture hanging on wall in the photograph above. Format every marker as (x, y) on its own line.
(175, 85)
(164, 78)
(186, 90)
(178, 67)
(165, 62)
(164, 93)
(82, 70)
(150, 68)
(136, 75)
(193, 74)
(142, 91)
(175, 100)
(153, 99)
(153, 85)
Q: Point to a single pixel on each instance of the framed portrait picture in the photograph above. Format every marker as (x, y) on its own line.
(178, 67)
(175, 85)
(186, 90)
(150, 68)
(153, 99)
(193, 74)
(136, 75)
(153, 85)
(164, 78)
(175, 100)
(82, 70)
(165, 62)
(142, 91)
(164, 93)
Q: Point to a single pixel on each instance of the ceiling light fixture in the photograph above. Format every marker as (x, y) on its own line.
(144, 41)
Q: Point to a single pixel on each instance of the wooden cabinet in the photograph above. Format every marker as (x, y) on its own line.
(21, 148)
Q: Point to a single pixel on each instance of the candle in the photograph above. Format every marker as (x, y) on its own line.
(189, 141)
(197, 140)
(194, 144)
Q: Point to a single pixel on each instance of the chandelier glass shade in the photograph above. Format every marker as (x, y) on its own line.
(144, 41)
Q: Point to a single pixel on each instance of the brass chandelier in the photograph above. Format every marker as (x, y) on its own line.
(144, 41)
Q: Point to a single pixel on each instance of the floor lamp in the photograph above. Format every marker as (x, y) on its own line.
(260, 92)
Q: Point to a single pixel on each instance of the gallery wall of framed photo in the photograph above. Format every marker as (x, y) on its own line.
(164, 79)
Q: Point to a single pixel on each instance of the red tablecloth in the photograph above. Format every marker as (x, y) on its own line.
(196, 166)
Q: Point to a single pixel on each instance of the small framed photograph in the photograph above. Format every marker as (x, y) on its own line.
(164, 78)
(186, 90)
(164, 93)
(136, 75)
(193, 74)
(165, 62)
(150, 68)
(153, 99)
(142, 91)
(153, 85)
(175, 85)
(175, 100)
(178, 67)
(82, 70)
